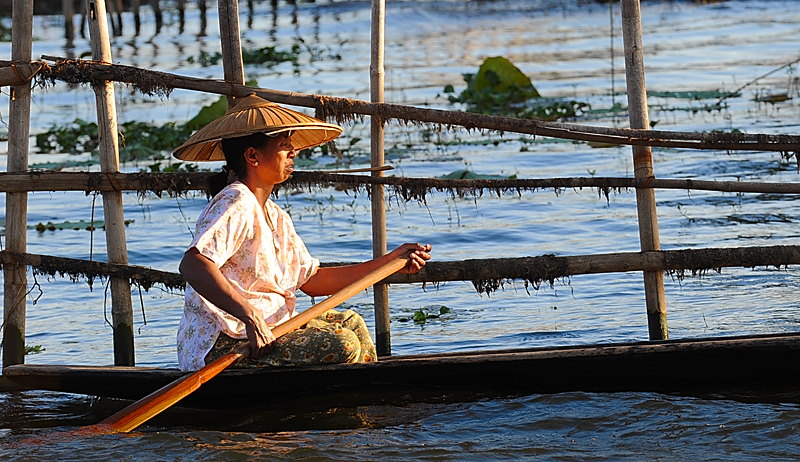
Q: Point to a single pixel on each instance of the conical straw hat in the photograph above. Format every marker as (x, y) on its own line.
(253, 115)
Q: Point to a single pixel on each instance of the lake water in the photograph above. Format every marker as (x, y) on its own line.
(565, 47)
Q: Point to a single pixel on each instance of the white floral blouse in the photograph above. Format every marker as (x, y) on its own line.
(259, 253)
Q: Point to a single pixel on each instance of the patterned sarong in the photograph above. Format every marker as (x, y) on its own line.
(331, 338)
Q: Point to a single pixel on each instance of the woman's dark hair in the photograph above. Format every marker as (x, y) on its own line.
(235, 167)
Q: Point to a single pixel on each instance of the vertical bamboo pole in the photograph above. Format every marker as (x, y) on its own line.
(383, 341)
(181, 16)
(15, 281)
(116, 6)
(232, 66)
(201, 4)
(116, 246)
(69, 21)
(158, 14)
(137, 17)
(643, 166)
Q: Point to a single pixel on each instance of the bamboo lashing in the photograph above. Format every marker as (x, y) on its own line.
(156, 82)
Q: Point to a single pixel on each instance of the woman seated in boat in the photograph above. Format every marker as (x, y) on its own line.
(246, 261)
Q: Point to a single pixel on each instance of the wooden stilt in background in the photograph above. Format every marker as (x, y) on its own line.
(68, 9)
(201, 4)
(137, 18)
(181, 16)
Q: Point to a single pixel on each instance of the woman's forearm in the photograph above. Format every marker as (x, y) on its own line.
(329, 280)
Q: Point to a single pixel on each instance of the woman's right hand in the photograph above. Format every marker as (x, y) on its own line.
(417, 254)
(259, 334)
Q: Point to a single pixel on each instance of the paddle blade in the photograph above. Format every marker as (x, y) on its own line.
(153, 404)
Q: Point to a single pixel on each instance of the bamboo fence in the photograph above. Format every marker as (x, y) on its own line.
(22, 73)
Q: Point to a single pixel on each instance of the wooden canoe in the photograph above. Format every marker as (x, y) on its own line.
(710, 364)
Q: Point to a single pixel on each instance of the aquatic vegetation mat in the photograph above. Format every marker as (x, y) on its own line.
(74, 225)
(270, 56)
(341, 110)
(499, 87)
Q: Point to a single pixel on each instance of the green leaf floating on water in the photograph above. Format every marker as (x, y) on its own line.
(42, 227)
(468, 175)
(427, 313)
(208, 113)
(32, 350)
(420, 316)
(499, 75)
(57, 166)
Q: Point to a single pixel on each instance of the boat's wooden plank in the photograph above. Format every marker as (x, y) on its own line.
(643, 366)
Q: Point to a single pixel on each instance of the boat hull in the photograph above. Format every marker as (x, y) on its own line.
(732, 363)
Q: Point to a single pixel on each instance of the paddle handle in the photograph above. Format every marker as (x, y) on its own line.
(354, 170)
(153, 404)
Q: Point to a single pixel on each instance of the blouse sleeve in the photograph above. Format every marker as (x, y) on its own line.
(224, 225)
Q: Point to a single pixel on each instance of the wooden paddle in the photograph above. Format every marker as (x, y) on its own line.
(152, 404)
(382, 168)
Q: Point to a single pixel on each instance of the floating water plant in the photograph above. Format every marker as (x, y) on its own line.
(422, 315)
(268, 56)
(138, 140)
(501, 88)
(77, 137)
(716, 97)
(697, 95)
(159, 167)
(5, 28)
(32, 350)
(76, 225)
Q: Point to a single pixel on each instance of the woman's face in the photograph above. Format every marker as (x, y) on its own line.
(276, 160)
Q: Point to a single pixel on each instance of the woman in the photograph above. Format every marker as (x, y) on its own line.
(246, 260)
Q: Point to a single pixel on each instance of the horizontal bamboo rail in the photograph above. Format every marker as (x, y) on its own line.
(13, 73)
(76, 269)
(409, 188)
(486, 274)
(162, 83)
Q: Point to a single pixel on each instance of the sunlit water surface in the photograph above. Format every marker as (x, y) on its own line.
(565, 48)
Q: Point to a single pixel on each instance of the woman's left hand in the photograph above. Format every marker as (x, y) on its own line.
(417, 254)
